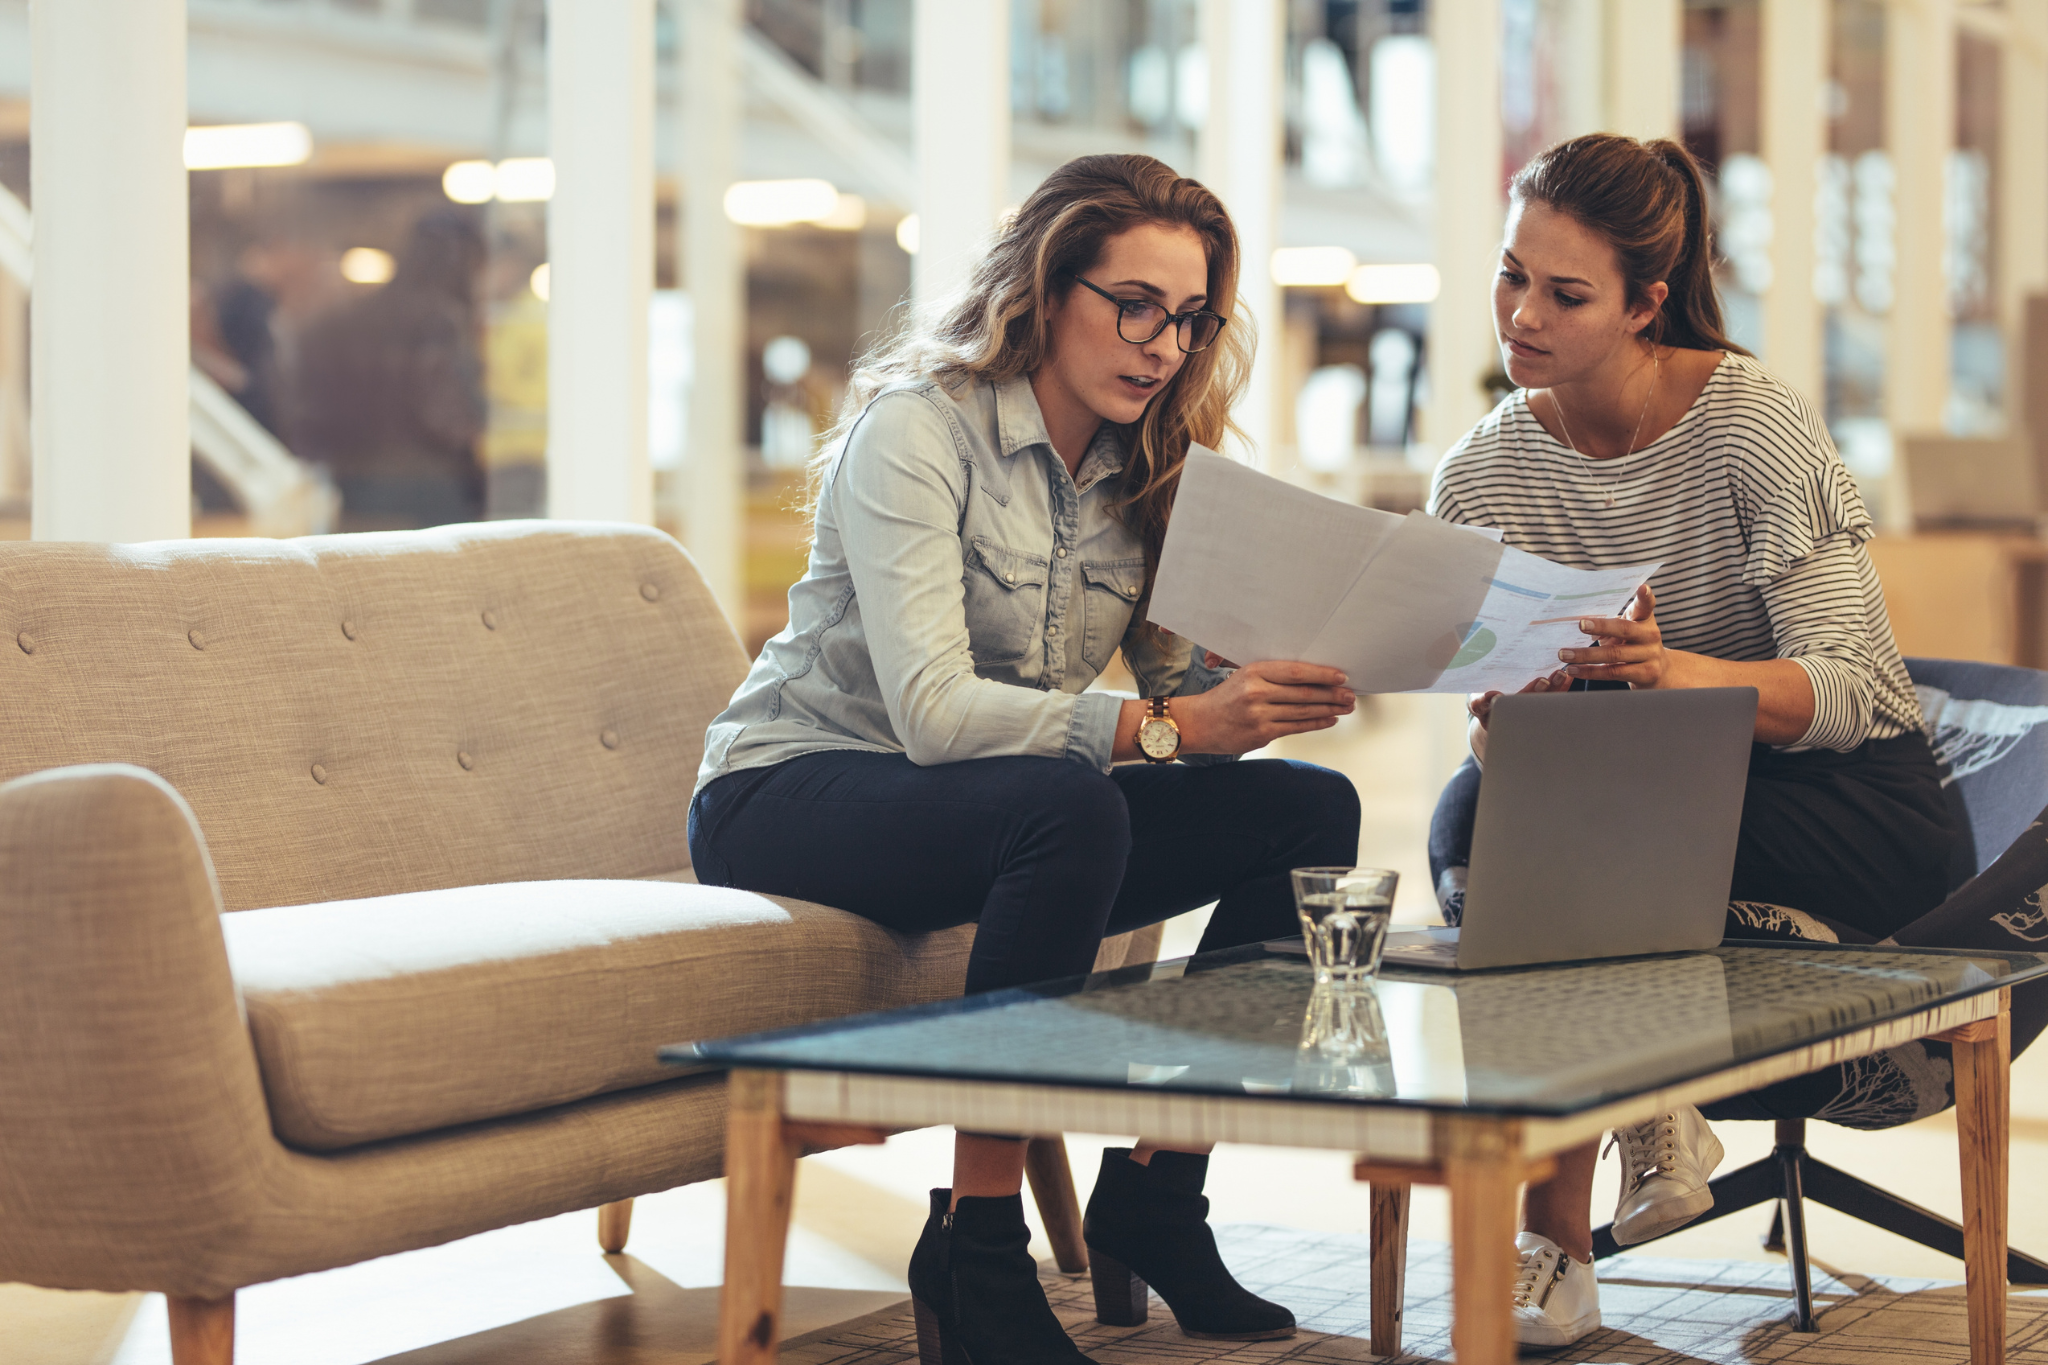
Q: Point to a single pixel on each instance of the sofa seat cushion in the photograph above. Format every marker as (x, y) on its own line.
(402, 1014)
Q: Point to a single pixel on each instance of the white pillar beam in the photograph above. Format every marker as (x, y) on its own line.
(1795, 44)
(1581, 52)
(601, 257)
(1462, 346)
(715, 275)
(1243, 159)
(2020, 188)
(960, 92)
(1643, 52)
(110, 312)
(1920, 120)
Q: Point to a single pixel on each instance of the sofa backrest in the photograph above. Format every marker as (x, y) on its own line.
(368, 714)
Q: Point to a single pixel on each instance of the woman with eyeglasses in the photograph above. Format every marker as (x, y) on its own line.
(918, 746)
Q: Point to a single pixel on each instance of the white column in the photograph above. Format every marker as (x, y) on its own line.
(715, 276)
(1462, 347)
(1243, 159)
(2020, 188)
(1643, 43)
(110, 311)
(1920, 120)
(1795, 43)
(960, 92)
(601, 257)
(1581, 54)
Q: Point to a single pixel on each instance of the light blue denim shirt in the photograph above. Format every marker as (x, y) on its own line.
(962, 593)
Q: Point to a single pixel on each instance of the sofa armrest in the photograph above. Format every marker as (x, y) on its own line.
(132, 1119)
(1133, 949)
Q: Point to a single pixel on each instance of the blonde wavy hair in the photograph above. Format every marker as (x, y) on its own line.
(1000, 327)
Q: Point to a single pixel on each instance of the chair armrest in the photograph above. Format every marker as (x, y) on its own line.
(132, 1119)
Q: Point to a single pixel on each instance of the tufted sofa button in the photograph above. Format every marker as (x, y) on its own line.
(649, 591)
(197, 638)
(348, 628)
(320, 774)
(27, 642)
(462, 757)
(609, 738)
(490, 619)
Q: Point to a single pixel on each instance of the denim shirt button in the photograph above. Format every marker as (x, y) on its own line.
(1061, 552)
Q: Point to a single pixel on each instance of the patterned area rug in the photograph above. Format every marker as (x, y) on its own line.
(1657, 1312)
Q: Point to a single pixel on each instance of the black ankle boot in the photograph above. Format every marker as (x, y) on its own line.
(1150, 1224)
(975, 1290)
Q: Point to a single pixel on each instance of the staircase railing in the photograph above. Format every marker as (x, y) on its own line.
(282, 494)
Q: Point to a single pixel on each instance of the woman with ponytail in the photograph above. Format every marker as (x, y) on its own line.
(919, 746)
(1640, 433)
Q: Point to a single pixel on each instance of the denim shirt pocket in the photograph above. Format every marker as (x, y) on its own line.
(1113, 588)
(1005, 601)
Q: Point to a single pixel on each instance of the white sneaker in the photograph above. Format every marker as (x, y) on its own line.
(1665, 1164)
(1557, 1299)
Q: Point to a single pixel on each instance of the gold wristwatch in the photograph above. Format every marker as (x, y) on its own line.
(1158, 736)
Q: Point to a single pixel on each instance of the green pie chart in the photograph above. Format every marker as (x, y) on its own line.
(1477, 646)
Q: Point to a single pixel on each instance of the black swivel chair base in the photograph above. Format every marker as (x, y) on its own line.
(1788, 1177)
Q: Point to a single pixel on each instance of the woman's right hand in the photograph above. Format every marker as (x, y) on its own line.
(1260, 703)
(1480, 704)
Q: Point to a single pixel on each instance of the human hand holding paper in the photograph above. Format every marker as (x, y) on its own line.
(1256, 569)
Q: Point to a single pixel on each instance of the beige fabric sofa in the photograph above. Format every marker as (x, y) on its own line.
(438, 782)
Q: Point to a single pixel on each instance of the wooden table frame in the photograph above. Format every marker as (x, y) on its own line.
(1483, 1158)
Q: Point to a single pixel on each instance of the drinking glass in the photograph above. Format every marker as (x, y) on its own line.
(1344, 916)
(1344, 1045)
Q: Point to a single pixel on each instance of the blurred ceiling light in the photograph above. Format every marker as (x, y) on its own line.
(231, 145)
(850, 214)
(1394, 284)
(1309, 266)
(526, 180)
(470, 182)
(780, 203)
(366, 265)
(539, 281)
(906, 233)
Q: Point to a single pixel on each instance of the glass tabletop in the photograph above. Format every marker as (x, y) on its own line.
(1540, 1041)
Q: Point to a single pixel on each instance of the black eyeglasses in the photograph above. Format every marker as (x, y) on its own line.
(1194, 330)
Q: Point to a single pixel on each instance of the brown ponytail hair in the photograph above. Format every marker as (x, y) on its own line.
(1000, 326)
(1649, 201)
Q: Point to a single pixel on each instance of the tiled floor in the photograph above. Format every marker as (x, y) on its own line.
(543, 1294)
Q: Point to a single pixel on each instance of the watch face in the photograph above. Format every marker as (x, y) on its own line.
(1158, 738)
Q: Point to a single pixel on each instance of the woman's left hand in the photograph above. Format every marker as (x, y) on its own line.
(1628, 648)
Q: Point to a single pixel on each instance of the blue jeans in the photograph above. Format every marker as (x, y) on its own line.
(1047, 855)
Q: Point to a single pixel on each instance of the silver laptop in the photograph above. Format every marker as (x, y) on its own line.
(1962, 483)
(1606, 828)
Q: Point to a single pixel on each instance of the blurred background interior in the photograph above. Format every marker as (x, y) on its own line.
(371, 195)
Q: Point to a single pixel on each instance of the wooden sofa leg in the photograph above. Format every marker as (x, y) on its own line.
(1052, 1186)
(203, 1331)
(614, 1223)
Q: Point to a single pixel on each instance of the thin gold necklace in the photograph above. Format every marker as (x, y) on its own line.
(1626, 455)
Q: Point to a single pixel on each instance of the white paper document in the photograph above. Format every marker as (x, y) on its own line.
(1255, 568)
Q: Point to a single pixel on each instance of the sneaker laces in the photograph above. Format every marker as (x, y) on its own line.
(1527, 1277)
(1648, 1149)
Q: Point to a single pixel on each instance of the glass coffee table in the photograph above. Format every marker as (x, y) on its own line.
(1471, 1081)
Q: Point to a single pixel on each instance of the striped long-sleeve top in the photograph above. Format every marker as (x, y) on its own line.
(1757, 523)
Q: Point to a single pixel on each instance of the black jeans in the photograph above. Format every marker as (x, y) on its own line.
(1047, 855)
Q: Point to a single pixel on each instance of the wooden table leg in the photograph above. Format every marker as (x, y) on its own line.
(1389, 1266)
(1983, 1059)
(1052, 1186)
(1482, 1166)
(760, 1180)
